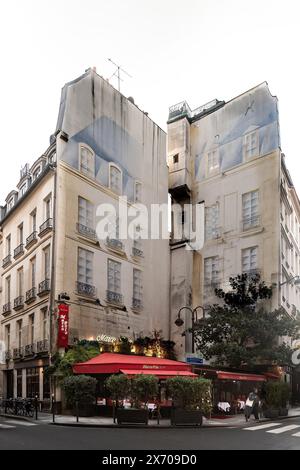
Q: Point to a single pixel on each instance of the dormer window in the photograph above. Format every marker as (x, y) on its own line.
(115, 179)
(87, 161)
(36, 173)
(10, 203)
(23, 189)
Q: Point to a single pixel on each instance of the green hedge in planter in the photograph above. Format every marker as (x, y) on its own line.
(118, 386)
(190, 394)
(143, 388)
(277, 396)
(81, 389)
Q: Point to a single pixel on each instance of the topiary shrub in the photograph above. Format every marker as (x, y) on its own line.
(79, 389)
(118, 386)
(190, 394)
(143, 387)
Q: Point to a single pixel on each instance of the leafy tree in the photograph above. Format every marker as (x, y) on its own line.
(241, 331)
(62, 365)
(81, 389)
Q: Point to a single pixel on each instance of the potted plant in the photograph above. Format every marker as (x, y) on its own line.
(191, 399)
(119, 388)
(80, 391)
(273, 399)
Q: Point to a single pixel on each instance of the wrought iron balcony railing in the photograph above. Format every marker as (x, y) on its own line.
(85, 289)
(19, 302)
(44, 287)
(31, 295)
(86, 231)
(6, 261)
(137, 304)
(114, 297)
(19, 250)
(42, 346)
(137, 252)
(6, 308)
(31, 239)
(46, 227)
(29, 350)
(17, 353)
(8, 355)
(114, 243)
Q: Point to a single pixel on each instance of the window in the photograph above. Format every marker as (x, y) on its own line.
(114, 276)
(32, 382)
(87, 161)
(7, 289)
(137, 285)
(33, 221)
(19, 333)
(10, 203)
(32, 271)
(48, 208)
(20, 234)
(85, 266)
(85, 213)
(251, 145)
(7, 337)
(249, 259)
(212, 229)
(8, 245)
(44, 324)
(176, 158)
(250, 208)
(31, 328)
(23, 189)
(115, 179)
(47, 262)
(36, 173)
(213, 162)
(138, 192)
(137, 242)
(211, 271)
(20, 277)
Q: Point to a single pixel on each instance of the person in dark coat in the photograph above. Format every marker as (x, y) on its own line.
(252, 405)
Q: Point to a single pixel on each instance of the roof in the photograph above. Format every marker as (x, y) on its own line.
(110, 363)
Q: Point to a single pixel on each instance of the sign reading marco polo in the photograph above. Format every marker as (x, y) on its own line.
(63, 326)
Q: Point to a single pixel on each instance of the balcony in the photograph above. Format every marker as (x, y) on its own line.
(6, 261)
(46, 227)
(19, 251)
(8, 355)
(137, 252)
(42, 346)
(31, 240)
(115, 244)
(85, 289)
(17, 353)
(44, 287)
(250, 223)
(30, 295)
(137, 304)
(114, 297)
(251, 273)
(29, 350)
(6, 308)
(86, 231)
(19, 302)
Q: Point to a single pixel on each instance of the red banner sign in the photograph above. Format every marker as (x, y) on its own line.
(63, 326)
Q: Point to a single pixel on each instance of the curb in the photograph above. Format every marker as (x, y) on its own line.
(134, 426)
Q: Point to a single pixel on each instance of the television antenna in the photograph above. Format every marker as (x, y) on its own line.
(117, 73)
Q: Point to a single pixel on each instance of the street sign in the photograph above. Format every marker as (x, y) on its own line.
(194, 360)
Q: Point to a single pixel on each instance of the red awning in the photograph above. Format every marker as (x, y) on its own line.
(237, 376)
(111, 363)
(162, 374)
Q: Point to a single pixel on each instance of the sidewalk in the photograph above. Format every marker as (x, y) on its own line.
(101, 422)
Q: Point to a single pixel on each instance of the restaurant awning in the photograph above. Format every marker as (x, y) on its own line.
(111, 363)
(162, 374)
(239, 376)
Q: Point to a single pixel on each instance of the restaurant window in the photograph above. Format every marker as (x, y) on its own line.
(19, 383)
(32, 382)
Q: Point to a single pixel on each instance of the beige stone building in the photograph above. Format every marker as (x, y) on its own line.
(104, 146)
(228, 157)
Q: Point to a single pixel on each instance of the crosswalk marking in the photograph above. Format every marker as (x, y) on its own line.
(261, 426)
(284, 429)
(20, 423)
(296, 435)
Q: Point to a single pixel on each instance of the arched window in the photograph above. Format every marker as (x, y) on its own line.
(87, 161)
(115, 179)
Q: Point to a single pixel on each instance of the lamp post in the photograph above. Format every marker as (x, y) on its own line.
(179, 321)
(296, 280)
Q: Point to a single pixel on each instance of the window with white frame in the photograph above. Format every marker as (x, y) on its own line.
(20, 234)
(31, 328)
(10, 203)
(213, 162)
(114, 276)
(137, 242)
(250, 209)
(23, 189)
(36, 173)
(47, 207)
(212, 223)
(20, 280)
(33, 220)
(251, 148)
(249, 259)
(19, 333)
(8, 245)
(33, 271)
(87, 161)
(137, 286)
(85, 266)
(211, 271)
(47, 262)
(115, 179)
(8, 289)
(44, 315)
(7, 337)
(138, 192)
(85, 213)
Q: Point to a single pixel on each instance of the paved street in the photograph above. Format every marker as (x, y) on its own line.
(16, 434)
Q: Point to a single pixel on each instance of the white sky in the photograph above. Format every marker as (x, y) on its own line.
(195, 50)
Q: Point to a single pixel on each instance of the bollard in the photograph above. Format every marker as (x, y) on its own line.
(53, 409)
(36, 407)
(77, 412)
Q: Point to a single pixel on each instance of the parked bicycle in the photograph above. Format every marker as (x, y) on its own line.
(18, 407)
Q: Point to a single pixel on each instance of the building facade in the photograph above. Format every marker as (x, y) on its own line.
(227, 156)
(104, 147)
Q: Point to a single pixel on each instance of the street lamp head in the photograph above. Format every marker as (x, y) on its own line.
(179, 322)
(297, 281)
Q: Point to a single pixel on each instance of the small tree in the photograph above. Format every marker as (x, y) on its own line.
(79, 389)
(188, 393)
(143, 387)
(118, 386)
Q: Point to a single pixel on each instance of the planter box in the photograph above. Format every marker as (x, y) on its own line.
(271, 413)
(132, 416)
(283, 411)
(85, 411)
(186, 417)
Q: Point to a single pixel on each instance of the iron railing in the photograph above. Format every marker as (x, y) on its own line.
(6, 308)
(46, 226)
(29, 350)
(114, 243)
(31, 295)
(44, 287)
(6, 261)
(19, 302)
(19, 250)
(85, 289)
(137, 303)
(137, 252)
(42, 346)
(86, 231)
(31, 239)
(17, 353)
(114, 297)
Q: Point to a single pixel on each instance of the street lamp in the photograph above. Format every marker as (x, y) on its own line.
(180, 322)
(296, 280)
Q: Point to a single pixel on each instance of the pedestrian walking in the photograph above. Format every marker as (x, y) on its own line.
(252, 405)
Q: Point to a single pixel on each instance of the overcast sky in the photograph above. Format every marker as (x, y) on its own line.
(195, 50)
